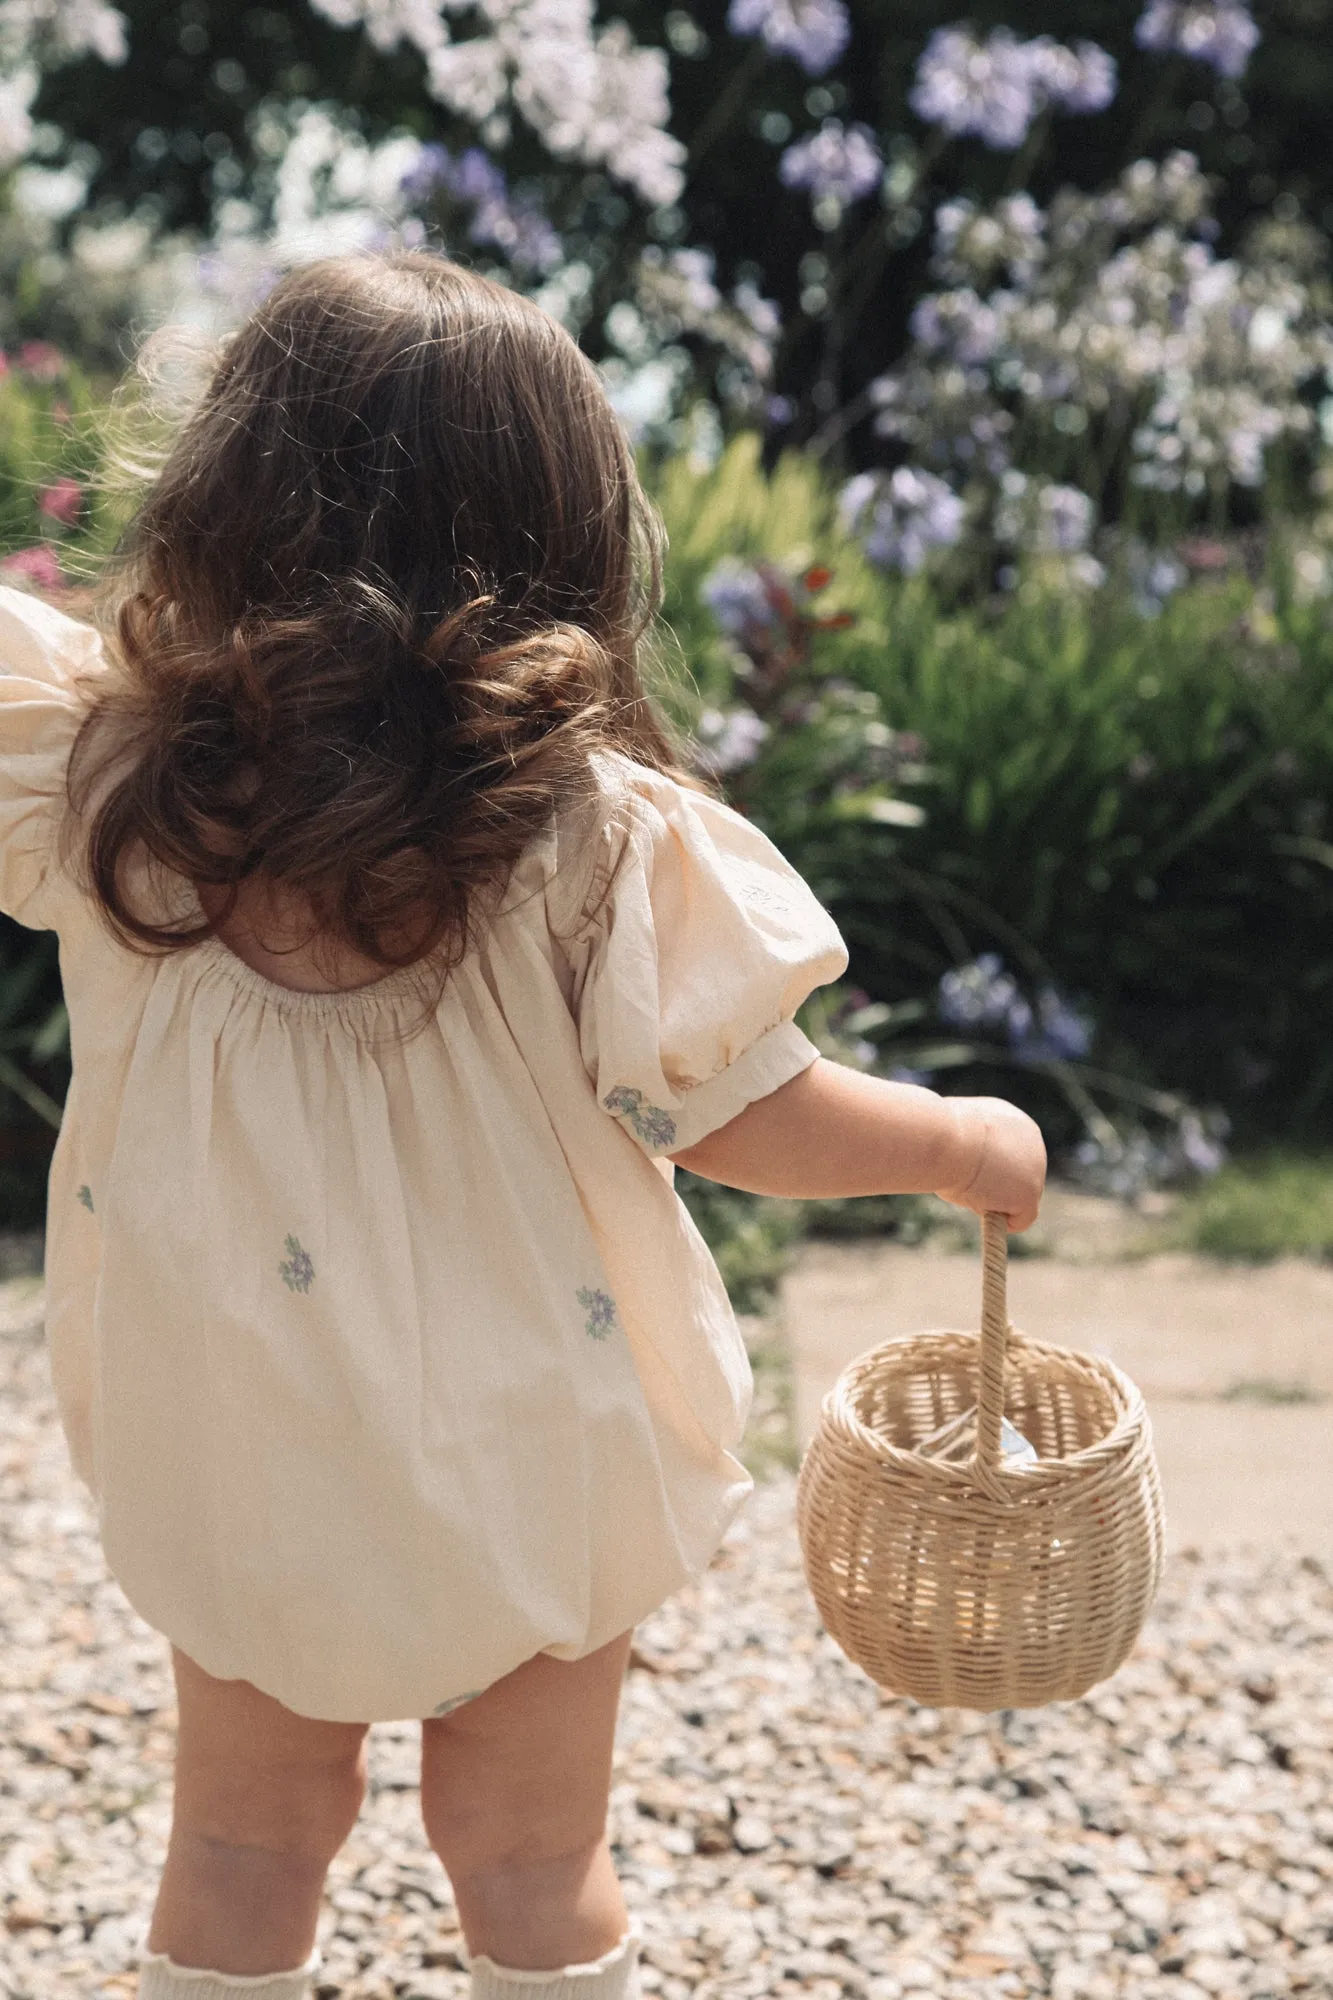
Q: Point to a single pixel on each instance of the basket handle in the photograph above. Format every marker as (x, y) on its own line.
(994, 1338)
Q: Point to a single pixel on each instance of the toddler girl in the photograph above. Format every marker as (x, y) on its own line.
(401, 965)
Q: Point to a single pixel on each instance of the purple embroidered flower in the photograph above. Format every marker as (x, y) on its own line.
(297, 1272)
(657, 1128)
(1220, 32)
(601, 1310)
(815, 32)
(447, 1707)
(841, 161)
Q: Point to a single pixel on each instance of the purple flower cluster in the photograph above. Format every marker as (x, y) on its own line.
(728, 741)
(1128, 1164)
(740, 601)
(515, 226)
(901, 518)
(815, 32)
(1064, 520)
(841, 161)
(958, 323)
(984, 995)
(994, 89)
(1220, 32)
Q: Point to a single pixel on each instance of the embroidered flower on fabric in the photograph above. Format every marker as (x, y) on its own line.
(85, 1195)
(457, 1702)
(298, 1271)
(601, 1310)
(657, 1128)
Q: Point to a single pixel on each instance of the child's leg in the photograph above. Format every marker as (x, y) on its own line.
(515, 1788)
(263, 1801)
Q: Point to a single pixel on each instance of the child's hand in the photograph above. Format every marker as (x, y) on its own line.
(1010, 1160)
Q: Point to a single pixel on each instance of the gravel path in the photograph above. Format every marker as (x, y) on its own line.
(778, 1826)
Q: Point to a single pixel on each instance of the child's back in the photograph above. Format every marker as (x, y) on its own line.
(400, 964)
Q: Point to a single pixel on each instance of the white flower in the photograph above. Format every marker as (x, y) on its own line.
(51, 31)
(472, 78)
(729, 742)
(16, 95)
(389, 22)
(589, 94)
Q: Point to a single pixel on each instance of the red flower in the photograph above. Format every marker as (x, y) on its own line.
(41, 360)
(62, 501)
(40, 565)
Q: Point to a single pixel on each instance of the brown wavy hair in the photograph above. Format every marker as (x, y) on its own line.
(384, 600)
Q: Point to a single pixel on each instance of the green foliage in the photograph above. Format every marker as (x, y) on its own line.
(1272, 1205)
(751, 1237)
(1139, 811)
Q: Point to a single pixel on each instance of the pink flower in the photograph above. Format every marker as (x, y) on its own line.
(40, 565)
(4, 363)
(41, 360)
(62, 501)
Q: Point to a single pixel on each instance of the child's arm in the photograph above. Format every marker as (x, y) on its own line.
(834, 1131)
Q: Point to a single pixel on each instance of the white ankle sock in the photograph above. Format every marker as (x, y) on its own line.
(613, 1976)
(160, 1979)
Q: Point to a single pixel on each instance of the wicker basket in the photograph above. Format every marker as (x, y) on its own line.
(986, 1584)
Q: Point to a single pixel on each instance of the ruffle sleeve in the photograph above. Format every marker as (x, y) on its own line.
(42, 653)
(693, 964)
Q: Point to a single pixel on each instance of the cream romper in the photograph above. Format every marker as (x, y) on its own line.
(379, 1334)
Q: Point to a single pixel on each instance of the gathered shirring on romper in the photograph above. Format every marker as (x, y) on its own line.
(378, 1331)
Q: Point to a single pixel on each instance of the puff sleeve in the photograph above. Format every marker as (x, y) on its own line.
(699, 955)
(42, 652)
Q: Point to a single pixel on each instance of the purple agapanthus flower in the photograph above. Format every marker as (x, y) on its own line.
(984, 995)
(842, 161)
(1081, 78)
(1059, 1034)
(903, 517)
(729, 741)
(1220, 32)
(515, 225)
(738, 599)
(994, 89)
(815, 32)
(1064, 520)
(959, 323)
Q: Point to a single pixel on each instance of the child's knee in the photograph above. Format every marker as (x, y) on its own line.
(303, 1812)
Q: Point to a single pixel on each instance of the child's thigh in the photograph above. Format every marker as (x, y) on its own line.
(523, 1770)
(248, 1769)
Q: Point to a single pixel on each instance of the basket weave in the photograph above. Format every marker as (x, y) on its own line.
(983, 1585)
